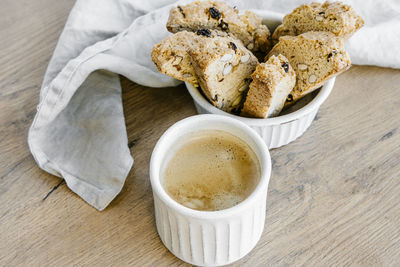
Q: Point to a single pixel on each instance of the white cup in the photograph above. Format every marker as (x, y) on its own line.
(209, 238)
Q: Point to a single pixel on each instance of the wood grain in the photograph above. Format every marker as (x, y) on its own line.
(333, 196)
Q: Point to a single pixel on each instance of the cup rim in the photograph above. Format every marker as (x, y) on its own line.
(314, 104)
(156, 160)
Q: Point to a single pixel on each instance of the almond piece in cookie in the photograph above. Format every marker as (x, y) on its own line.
(220, 16)
(223, 66)
(272, 83)
(315, 57)
(334, 17)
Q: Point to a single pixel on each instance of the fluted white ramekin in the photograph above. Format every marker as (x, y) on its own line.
(277, 131)
(209, 238)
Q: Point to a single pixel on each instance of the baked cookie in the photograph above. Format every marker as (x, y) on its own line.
(171, 57)
(220, 16)
(223, 66)
(272, 83)
(334, 17)
(315, 57)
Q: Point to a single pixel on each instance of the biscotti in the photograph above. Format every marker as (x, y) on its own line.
(171, 57)
(315, 57)
(272, 83)
(334, 17)
(220, 16)
(223, 66)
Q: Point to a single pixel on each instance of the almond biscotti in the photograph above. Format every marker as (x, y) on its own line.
(220, 16)
(272, 83)
(223, 66)
(334, 17)
(171, 57)
(315, 57)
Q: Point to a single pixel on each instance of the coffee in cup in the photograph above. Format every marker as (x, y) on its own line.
(211, 170)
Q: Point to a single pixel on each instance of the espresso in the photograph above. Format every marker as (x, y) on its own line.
(211, 170)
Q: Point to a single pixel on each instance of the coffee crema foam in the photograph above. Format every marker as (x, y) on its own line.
(211, 170)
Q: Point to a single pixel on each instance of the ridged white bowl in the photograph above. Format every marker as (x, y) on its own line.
(209, 238)
(277, 131)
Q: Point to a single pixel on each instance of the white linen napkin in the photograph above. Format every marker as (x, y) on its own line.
(79, 130)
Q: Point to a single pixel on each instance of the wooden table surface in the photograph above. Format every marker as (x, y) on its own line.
(334, 195)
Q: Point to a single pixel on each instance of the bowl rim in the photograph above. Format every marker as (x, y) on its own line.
(314, 104)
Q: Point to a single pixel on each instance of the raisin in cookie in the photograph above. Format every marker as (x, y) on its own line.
(171, 57)
(315, 57)
(272, 83)
(223, 66)
(334, 17)
(220, 16)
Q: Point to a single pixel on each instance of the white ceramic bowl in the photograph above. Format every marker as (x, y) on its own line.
(277, 131)
(280, 130)
(209, 238)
